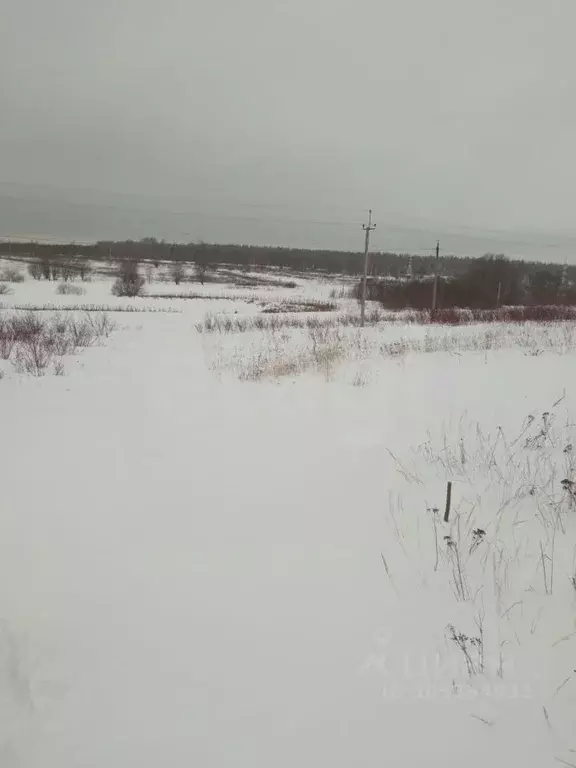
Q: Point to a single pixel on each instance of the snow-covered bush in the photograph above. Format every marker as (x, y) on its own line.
(69, 289)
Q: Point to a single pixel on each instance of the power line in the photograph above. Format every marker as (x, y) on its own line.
(491, 236)
(501, 236)
(152, 212)
(184, 199)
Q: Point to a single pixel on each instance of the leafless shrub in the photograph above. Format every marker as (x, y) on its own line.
(60, 323)
(5, 290)
(239, 324)
(33, 355)
(7, 339)
(81, 333)
(101, 324)
(69, 289)
(59, 343)
(299, 306)
(35, 270)
(35, 344)
(7, 342)
(129, 282)
(26, 326)
(327, 347)
(178, 272)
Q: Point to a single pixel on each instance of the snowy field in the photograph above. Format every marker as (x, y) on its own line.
(224, 544)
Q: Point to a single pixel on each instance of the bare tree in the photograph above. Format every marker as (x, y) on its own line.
(35, 270)
(178, 272)
(84, 269)
(129, 282)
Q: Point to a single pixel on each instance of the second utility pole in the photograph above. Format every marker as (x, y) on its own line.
(436, 279)
(367, 228)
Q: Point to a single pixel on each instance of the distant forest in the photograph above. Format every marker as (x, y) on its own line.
(257, 257)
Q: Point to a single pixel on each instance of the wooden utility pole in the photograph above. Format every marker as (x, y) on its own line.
(367, 229)
(436, 278)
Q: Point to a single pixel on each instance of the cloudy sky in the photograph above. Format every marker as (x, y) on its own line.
(285, 120)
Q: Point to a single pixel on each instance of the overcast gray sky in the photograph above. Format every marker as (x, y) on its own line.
(450, 112)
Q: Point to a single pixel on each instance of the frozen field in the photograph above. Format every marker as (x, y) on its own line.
(223, 545)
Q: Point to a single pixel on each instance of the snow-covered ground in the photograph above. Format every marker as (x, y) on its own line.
(222, 549)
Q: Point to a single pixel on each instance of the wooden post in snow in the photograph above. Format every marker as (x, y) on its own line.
(448, 501)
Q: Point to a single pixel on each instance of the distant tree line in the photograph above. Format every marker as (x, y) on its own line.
(252, 257)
